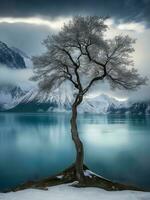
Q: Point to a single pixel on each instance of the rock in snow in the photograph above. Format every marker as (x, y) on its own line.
(66, 192)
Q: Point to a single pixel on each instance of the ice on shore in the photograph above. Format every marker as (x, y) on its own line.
(66, 192)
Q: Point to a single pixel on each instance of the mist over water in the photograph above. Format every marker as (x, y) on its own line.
(33, 146)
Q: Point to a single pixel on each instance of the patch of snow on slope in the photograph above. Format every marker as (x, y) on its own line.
(27, 59)
(66, 192)
(61, 96)
(99, 104)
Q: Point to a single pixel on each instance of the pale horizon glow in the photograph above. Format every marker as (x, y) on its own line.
(94, 95)
(133, 26)
(54, 24)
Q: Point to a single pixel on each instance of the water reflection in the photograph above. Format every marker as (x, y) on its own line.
(37, 145)
(32, 147)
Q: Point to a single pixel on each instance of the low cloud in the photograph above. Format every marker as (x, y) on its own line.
(16, 77)
(51, 23)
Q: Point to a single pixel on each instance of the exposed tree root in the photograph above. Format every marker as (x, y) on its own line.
(68, 176)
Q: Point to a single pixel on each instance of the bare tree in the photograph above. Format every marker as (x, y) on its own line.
(81, 54)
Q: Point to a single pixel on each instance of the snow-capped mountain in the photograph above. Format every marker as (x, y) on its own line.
(26, 58)
(8, 95)
(134, 108)
(20, 52)
(10, 58)
(101, 104)
(62, 98)
(61, 101)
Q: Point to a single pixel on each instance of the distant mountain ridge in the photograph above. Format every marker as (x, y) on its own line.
(101, 104)
(20, 52)
(32, 101)
(134, 108)
(11, 59)
(59, 101)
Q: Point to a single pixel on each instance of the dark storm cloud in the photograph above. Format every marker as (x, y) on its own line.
(137, 10)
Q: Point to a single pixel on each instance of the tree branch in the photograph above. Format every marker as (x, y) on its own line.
(91, 59)
(92, 81)
(68, 73)
(76, 68)
(124, 84)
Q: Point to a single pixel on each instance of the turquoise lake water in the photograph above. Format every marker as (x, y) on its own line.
(33, 146)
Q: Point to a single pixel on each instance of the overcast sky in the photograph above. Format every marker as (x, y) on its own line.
(24, 24)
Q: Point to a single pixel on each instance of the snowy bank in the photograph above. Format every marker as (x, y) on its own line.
(66, 192)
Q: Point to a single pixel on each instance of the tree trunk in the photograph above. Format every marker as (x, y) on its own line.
(77, 141)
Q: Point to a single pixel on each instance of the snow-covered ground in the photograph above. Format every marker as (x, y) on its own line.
(66, 192)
